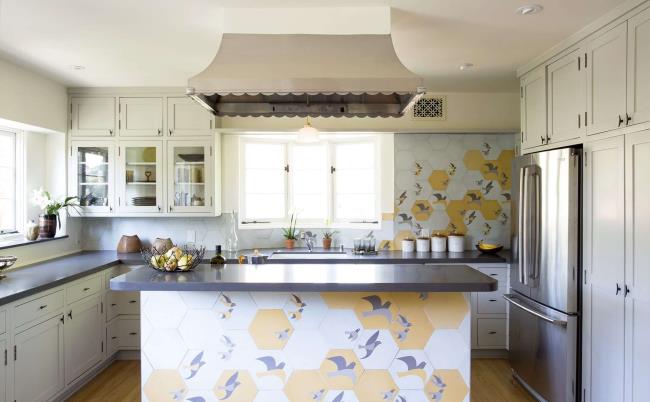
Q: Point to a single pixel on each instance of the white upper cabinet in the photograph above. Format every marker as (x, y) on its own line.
(186, 118)
(638, 65)
(567, 98)
(140, 176)
(92, 117)
(190, 176)
(637, 267)
(141, 117)
(91, 176)
(607, 80)
(533, 108)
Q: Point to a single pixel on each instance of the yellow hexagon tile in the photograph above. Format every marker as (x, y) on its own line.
(376, 310)
(305, 385)
(473, 199)
(421, 210)
(473, 159)
(409, 299)
(342, 300)
(235, 386)
(447, 386)
(504, 161)
(376, 386)
(439, 180)
(490, 170)
(270, 329)
(165, 385)
(490, 209)
(386, 245)
(341, 369)
(411, 328)
(456, 210)
(446, 310)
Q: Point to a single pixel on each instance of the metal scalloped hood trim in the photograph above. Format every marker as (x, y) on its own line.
(306, 75)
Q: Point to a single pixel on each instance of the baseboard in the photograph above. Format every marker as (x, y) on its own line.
(489, 354)
(127, 355)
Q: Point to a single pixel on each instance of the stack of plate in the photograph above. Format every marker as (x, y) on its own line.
(144, 201)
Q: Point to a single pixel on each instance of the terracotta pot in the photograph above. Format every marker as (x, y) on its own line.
(327, 244)
(129, 244)
(47, 225)
(289, 243)
(162, 245)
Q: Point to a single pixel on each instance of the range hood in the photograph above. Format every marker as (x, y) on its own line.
(306, 75)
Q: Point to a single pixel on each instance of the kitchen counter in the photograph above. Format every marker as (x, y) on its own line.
(311, 278)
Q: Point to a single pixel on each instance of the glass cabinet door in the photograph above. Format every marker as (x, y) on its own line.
(91, 175)
(140, 177)
(190, 177)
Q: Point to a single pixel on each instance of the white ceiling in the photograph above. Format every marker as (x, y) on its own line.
(164, 42)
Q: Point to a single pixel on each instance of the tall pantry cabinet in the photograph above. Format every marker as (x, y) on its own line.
(616, 297)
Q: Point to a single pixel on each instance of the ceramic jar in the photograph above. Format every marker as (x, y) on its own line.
(31, 230)
(47, 226)
(423, 245)
(439, 244)
(129, 244)
(408, 246)
(456, 243)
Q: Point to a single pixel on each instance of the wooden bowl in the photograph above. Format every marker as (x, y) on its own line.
(489, 250)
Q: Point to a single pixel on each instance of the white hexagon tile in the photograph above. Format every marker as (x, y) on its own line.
(294, 347)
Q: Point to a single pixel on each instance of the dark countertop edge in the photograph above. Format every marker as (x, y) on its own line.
(310, 287)
(24, 242)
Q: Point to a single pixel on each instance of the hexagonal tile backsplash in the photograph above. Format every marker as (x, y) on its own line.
(453, 184)
(351, 347)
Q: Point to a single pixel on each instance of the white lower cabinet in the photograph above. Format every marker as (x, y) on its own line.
(84, 342)
(39, 361)
(489, 311)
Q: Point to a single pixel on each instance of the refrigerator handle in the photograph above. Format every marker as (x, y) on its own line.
(535, 263)
(512, 300)
(521, 235)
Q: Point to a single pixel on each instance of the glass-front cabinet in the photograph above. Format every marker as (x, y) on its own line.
(190, 176)
(92, 176)
(140, 176)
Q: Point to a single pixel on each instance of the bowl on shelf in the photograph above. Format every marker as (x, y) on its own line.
(176, 259)
(487, 248)
(6, 262)
(192, 157)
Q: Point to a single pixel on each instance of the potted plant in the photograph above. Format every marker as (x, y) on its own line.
(327, 238)
(49, 220)
(290, 234)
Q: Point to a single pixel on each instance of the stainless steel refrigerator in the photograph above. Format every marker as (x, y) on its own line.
(544, 307)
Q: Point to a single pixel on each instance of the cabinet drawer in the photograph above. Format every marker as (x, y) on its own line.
(491, 303)
(117, 271)
(3, 322)
(122, 303)
(491, 332)
(83, 289)
(129, 333)
(500, 274)
(40, 307)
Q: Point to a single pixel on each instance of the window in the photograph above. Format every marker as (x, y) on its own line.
(335, 181)
(8, 190)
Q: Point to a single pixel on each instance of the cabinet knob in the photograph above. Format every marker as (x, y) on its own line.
(618, 288)
(628, 119)
(159, 208)
(42, 307)
(110, 132)
(159, 131)
(620, 120)
(542, 138)
(170, 131)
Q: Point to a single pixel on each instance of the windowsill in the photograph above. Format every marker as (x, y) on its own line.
(18, 240)
(307, 226)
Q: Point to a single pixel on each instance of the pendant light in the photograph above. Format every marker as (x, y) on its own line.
(308, 134)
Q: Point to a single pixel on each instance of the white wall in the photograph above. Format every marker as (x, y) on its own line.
(29, 98)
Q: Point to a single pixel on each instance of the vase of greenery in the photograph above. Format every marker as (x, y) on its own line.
(328, 235)
(290, 234)
(49, 221)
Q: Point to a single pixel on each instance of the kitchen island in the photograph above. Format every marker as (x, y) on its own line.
(317, 332)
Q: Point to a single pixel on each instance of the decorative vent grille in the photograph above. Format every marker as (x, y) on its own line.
(430, 108)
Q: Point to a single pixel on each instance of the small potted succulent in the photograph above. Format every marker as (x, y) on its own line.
(291, 233)
(327, 238)
(49, 220)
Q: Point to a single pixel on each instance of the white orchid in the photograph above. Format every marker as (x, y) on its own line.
(49, 205)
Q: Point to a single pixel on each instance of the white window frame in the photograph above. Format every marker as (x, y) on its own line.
(19, 172)
(330, 142)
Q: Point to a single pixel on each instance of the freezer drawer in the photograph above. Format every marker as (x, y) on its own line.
(542, 348)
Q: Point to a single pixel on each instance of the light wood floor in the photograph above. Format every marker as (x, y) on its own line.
(120, 382)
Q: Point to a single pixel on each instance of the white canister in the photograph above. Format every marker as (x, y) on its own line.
(423, 245)
(456, 243)
(439, 244)
(408, 246)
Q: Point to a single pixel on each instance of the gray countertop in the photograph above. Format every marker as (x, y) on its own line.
(30, 279)
(310, 278)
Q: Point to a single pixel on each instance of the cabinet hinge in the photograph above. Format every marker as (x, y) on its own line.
(585, 159)
(70, 151)
(5, 357)
(102, 346)
(585, 119)
(101, 308)
(579, 119)
(585, 277)
(210, 151)
(286, 168)
(15, 352)
(585, 60)
(119, 123)
(119, 151)
(579, 63)
(210, 200)
(521, 92)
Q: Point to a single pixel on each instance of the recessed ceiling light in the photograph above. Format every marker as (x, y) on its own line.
(77, 67)
(529, 9)
(466, 66)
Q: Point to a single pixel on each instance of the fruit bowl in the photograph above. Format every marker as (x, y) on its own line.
(176, 259)
(6, 262)
(487, 248)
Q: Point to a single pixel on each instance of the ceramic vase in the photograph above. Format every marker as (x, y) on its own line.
(129, 244)
(47, 226)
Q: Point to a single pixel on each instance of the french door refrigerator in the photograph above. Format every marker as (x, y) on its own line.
(544, 307)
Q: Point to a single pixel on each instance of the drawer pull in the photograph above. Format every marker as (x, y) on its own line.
(114, 337)
(42, 307)
(113, 304)
(492, 332)
(133, 333)
(494, 274)
(493, 300)
(86, 289)
(133, 301)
